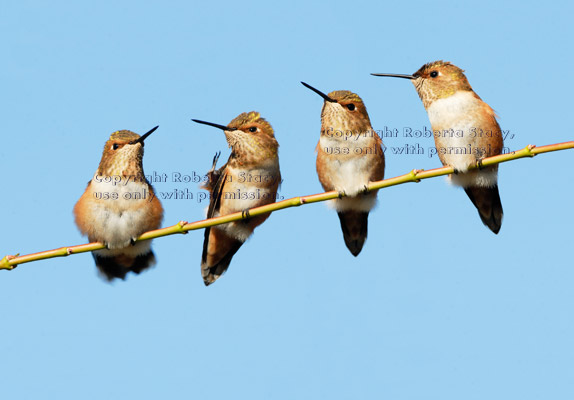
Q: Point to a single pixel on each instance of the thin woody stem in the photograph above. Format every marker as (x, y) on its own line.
(10, 262)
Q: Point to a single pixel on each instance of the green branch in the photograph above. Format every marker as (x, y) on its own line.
(10, 262)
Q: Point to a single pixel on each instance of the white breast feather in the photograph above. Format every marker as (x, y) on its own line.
(456, 112)
(126, 221)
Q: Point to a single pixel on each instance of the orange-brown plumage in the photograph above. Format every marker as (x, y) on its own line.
(119, 205)
(465, 130)
(249, 179)
(349, 156)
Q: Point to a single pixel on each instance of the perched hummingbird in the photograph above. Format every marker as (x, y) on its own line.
(119, 205)
(465, 131)
(249, 179)
(349, 156)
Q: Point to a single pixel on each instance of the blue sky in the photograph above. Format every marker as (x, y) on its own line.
(435, 306)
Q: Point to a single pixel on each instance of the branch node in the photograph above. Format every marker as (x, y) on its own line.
(413, 175)
(181, 224)
(529, 150)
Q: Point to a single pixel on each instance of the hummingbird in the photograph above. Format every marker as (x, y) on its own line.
(119, 205)
(465, 130)
(249, 179)
(349, 156)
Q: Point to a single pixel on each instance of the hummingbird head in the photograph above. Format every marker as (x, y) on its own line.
(436, 80)
(123, 153)
(343, 110)
(250, 137)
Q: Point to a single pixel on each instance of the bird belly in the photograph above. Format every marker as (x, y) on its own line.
(243, 190)
(452, 120)
(455, 121)
(348, 172)
(122, 216)
(246, 189)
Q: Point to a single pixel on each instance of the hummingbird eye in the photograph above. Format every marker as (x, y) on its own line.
(434, 74)
(351, 106)
(115, 146)
(253, 129)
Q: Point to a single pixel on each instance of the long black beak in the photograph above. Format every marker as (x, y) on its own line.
(323, 95)
(223, 127)
(397, 76)
(144, 136)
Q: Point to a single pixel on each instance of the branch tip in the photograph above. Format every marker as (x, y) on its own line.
(5, 262)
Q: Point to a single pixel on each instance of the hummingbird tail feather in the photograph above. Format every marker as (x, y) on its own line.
(487, 202)
(218, 250)
(143, 262)
(212, 273)
(354, 225)
(118, 266)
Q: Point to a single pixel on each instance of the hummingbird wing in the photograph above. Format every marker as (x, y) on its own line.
(213, 174)
(218, 247)
(216, 179)
(218, 250)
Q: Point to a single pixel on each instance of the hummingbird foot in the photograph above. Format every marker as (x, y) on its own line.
(479, 165)
(133, 241)
(365, 190)
(455, 171)
(245, 214)
(341, 194)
